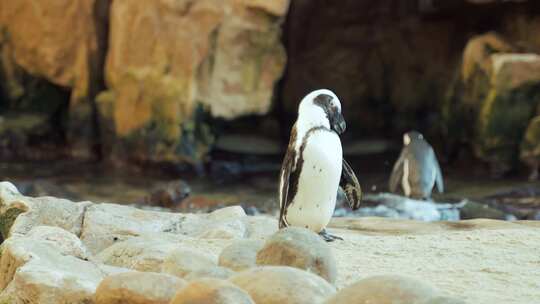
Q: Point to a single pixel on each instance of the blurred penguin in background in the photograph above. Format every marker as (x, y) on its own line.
(417, 170)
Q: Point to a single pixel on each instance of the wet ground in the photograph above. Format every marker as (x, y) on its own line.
(251, 180)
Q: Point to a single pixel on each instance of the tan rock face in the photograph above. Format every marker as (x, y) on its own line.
(384, 290)
(165, 57)
(300, 248)
(283, 285)
(211, 291)
(38, 42)
(138, 288)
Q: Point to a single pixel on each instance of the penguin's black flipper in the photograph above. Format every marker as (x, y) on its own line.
(397, 174)
(288, 179)
(350, 185)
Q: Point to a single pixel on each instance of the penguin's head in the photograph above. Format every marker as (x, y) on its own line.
(412, 136)
(322, 108)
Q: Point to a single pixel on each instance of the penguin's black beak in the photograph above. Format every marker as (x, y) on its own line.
(338, 123)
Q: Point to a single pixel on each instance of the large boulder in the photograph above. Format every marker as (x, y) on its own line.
(283, 285)
(143, 253)
(138, 288)
(49, 72)
(19, 214)
(211, 291)
(66, 242)
(34, 271)
(107, 224)
(300, 248)
(530, 147)
(166, 59)
(37, 42)
(511, 102)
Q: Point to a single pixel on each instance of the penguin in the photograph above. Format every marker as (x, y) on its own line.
(313, 167)
(417, 170)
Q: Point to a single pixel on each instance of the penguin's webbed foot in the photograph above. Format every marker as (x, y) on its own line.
(329, 237)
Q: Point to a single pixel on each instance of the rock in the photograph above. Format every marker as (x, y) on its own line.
(510, 104)
(227, 213)
(37, 42)
(473, 210)
(138, 288)
(384, 289)
(211, 291)
(169, 195)
(397, 206)
(66, 242)
(300, 248)
(215, 272)
(260, 227)
(106, 224)
(156, 92)
(530, 147)
(35, 271)
(283, 285)
(444, 300)
(240, 255)
(181, 262)
(228, 229)
(19, 214)
(51, 72)
(138, 253)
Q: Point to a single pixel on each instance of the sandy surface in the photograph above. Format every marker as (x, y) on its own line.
(479, 261)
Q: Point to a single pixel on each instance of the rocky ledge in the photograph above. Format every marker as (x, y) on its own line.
(58, 251)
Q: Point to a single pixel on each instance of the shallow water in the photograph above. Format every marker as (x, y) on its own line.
(245, 180)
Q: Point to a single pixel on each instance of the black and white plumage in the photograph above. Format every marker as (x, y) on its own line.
(314, 168)
(417, 170)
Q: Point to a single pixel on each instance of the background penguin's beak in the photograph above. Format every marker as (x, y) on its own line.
(338, 123)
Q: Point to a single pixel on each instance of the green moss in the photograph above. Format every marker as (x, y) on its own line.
(502, 122)
(530, 146)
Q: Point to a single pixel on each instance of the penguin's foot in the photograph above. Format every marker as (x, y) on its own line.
(328, 237)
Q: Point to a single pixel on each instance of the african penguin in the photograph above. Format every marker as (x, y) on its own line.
(314, 168)
(417, 169)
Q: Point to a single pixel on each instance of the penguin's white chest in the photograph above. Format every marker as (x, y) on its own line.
(315, 200)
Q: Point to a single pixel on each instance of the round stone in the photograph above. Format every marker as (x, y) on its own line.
(211, 291)
(138, 288)
(215, 272)
(300, 248)
(240, 255)
(181, 262)
(385, 289)
(283, 285)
